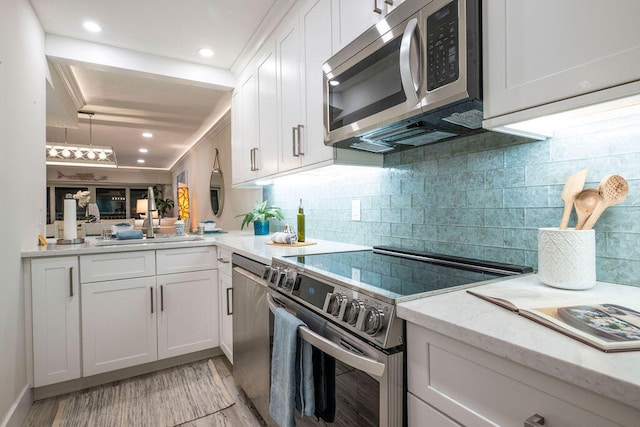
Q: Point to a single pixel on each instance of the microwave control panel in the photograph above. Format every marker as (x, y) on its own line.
(443, 46)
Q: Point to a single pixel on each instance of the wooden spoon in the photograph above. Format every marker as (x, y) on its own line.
(586, 202)
(572, 187)
(613, 190)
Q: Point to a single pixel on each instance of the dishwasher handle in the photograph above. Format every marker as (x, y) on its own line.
(365, 364)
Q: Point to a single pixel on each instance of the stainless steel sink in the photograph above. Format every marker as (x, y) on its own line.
(159, 238)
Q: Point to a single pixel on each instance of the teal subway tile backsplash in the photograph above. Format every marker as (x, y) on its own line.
(484, 196)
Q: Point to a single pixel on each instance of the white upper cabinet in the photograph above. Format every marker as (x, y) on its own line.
(545, 57)
(254, 119)
(304, 44)
(244, 132)
(353, 17)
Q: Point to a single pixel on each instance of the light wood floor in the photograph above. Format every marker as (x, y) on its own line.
(242, 413)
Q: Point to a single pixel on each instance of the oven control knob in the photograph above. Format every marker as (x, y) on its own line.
(289, 278)
(351, 312)
(373, 319)
(335, 302)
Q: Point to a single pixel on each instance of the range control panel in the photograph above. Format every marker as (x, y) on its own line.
(359, 313)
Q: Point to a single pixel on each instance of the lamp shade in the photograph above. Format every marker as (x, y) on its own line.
(142, 206)
(183, 202)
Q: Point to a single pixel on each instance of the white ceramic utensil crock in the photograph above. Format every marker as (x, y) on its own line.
(567, 258)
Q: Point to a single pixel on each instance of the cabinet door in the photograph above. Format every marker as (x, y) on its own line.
(267, 153)
(226, 315)
(289, 89)
(244, 130)
(118, 324)
(352, 18)
(56, 319)
(525, 67)
(187, 312)
(315, 20)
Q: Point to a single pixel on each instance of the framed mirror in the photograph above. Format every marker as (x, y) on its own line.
(216, 188)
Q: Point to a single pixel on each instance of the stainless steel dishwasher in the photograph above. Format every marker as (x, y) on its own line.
(251, 331)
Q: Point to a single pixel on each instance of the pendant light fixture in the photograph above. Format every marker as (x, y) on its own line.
(81, 155)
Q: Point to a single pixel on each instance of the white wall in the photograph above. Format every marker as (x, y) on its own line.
(22, 179)
(198, 164)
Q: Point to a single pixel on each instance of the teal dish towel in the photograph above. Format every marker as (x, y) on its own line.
(129, 234)
(291, 371)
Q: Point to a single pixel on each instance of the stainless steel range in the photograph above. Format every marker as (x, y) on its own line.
(359, 290)
(353, 297)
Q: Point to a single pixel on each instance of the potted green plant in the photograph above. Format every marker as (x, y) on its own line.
(260, 217)
(163, 205)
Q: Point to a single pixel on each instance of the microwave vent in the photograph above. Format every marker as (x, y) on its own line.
(371, 146)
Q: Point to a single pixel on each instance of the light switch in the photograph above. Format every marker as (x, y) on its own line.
(355, 210)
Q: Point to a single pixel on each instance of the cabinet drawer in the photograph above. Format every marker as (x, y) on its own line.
(114, 266)
(224, 260)
(477, 388)
(422, 414)
(186, 259)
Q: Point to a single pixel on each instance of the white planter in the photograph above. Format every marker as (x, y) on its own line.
(567, 258)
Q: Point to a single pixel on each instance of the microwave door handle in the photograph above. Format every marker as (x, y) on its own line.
(361, 363)
(405, 63)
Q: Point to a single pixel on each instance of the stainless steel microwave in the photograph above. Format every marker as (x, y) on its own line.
(412, 79)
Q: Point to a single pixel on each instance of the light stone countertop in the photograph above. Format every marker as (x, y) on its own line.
(497, 330)
(241, 242)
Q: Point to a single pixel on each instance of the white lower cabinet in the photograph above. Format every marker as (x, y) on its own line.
(451, 383)
(226, 302)
(226, 315)
(55, 310)
(130, 321)
(187, 312)
(118, 324)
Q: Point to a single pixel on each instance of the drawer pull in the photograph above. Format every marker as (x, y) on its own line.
(229, 308)
(71, 281)
(151, 300)
(223, 261)
(534, 421)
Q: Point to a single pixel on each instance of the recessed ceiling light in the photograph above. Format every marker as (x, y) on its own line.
(147, 134)
(143, 150)
(92, 26)
(140, 160)
(206, 52)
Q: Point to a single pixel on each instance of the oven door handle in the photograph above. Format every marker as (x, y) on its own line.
(370, 366)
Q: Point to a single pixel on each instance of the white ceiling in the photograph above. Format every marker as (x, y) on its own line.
(143, 73)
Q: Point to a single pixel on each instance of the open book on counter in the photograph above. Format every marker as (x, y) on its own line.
(606, 317)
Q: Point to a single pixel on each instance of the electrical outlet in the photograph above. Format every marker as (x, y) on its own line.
(355, 274)
(355, 210)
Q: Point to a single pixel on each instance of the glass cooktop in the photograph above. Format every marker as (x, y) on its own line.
(401, 273)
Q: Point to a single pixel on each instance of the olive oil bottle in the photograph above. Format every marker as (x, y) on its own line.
(300, 223)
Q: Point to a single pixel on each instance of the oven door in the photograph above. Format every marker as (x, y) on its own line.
(380, 84)
(368, 381)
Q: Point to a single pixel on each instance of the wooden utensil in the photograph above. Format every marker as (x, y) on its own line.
(572, 187)
(613, 190)
(586, 202)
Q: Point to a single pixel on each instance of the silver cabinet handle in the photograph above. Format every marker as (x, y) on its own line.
(300, 152)
(534, 421)
(223, 261)
(293, 140)
(376, 9)
(408, 82)
(254, 163)
(71, 281)
(389, 2)
(229, 308)
(151, 300)
(161, 297)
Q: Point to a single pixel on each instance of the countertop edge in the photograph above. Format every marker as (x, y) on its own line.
(525, 342)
